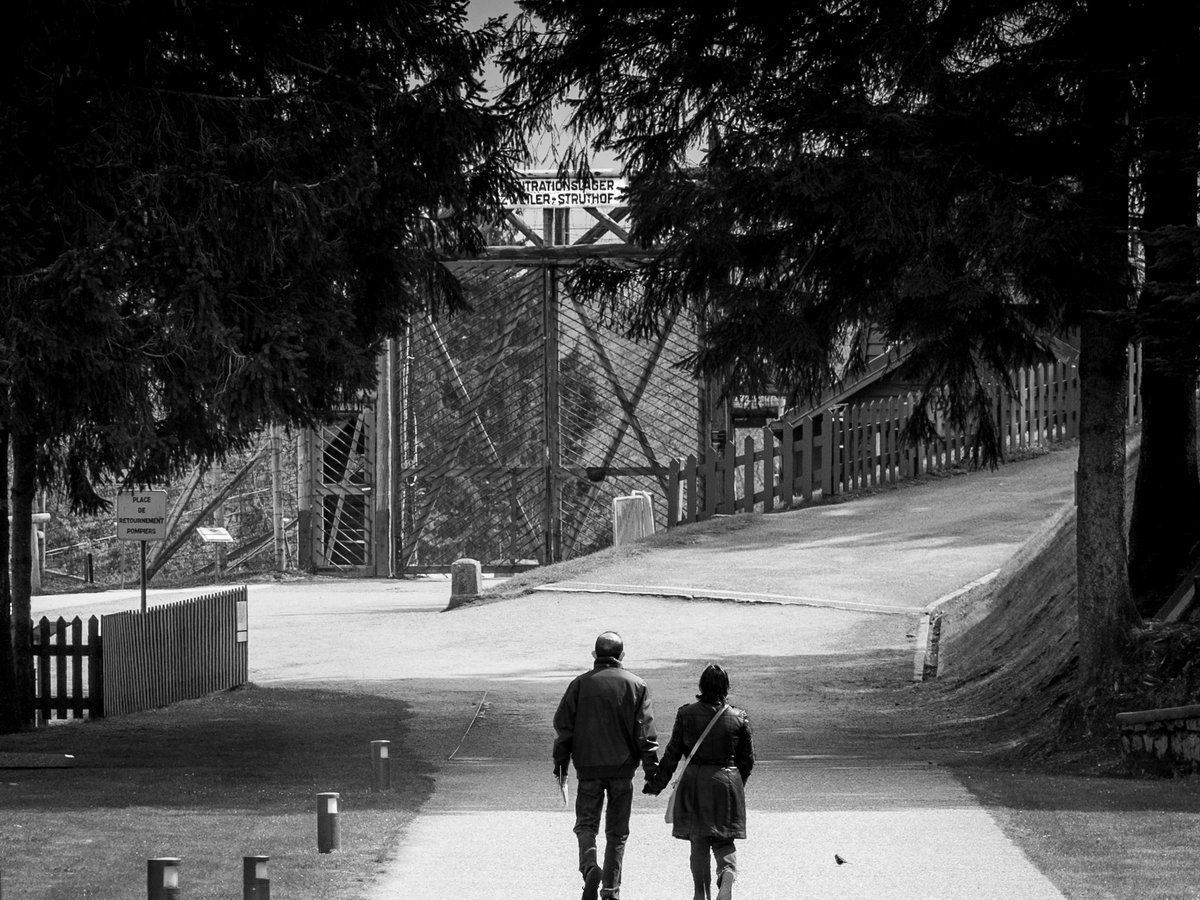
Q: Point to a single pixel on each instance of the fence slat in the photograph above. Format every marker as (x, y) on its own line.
(878, 442)
(770, 477)
(748, 475)
(95, 667)
(787, 464)
(674, 486)
(806, 455)
(43, 668)
(689, 474)
(890, 437)
(830, 444)
(708, 476)
(729, 478)
(76, 697)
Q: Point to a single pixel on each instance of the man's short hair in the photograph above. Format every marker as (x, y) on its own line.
(610, 644)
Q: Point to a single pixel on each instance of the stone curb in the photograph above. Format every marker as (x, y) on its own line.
(929, 632)
(1144, 716)
(683, 593)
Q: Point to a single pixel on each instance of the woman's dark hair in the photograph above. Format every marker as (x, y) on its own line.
(714, 684)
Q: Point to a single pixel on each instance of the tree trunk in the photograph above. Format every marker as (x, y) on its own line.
(23, 489)
(10, 713)
(1161, 535)
(1104, 605)
(1162, 532)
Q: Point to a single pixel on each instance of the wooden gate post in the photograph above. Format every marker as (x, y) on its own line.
(95, 674)
(552, 520)
(304, 477)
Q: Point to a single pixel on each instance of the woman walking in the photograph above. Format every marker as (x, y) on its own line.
(710, 800)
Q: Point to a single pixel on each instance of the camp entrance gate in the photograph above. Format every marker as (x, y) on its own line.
(503, 433)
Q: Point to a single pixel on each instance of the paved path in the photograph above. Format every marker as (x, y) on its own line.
(907, 832)
(896, 549)
(845, 577)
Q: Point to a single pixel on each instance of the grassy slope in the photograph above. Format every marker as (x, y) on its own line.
(1015, 665)
(1093, 829)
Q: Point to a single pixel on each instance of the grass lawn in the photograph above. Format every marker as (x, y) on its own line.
(210, 781)
(1099, 837)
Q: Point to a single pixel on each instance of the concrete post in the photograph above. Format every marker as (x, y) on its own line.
(329, 833)
(465, 578)
(381, 766)
(162, 878)
(633, 518)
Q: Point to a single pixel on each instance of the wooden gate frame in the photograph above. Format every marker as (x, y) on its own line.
(550, 249)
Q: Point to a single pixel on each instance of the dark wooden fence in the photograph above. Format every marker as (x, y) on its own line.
(132, 660)
(174, 652)
(68, 669)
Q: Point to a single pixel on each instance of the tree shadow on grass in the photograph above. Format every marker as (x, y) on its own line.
(269, 750)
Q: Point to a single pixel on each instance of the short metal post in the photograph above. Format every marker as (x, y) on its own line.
(329, 836)
(381, 766)
(256, 885)
(162, 878)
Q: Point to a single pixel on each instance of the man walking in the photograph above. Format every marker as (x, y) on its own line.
(606, 724)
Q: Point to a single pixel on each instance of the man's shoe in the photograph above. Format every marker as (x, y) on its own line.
(591, 883)
(725, 885)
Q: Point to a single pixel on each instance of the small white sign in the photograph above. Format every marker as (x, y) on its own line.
(142, 515)
(215, 535)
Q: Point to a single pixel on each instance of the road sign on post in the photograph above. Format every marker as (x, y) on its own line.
(142, 516)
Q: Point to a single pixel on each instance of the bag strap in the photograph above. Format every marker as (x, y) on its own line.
(703, 735)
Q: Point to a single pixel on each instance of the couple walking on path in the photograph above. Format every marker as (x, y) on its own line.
(605, 724)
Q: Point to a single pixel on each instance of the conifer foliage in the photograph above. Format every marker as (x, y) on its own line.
(958, 173)
(213, 213)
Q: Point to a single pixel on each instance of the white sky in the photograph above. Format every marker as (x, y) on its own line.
(478, 12)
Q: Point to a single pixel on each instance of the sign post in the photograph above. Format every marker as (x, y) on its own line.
(142, 517)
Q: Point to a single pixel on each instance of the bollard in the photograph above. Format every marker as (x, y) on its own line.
(466, 576)
(162, 878)
(255, 883)
(381, 766)
(633, 517)
(329, 837)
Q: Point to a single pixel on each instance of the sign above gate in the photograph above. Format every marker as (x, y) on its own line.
(550, 191)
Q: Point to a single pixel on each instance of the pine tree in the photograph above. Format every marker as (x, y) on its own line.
(214, 214)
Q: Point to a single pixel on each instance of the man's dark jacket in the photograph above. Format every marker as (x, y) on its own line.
(606, 723)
